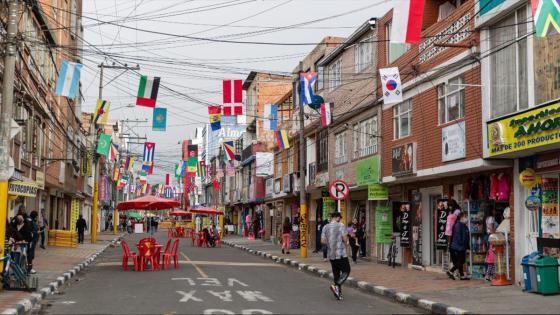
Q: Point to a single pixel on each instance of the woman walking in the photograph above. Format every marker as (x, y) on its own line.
(286, 229)
(353, 240)
(460, 243)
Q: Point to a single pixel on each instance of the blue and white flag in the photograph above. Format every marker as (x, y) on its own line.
(307, 79)
(68, 79)
(159, 121)
(271, 117)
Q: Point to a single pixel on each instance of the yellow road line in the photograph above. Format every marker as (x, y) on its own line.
(202, 273)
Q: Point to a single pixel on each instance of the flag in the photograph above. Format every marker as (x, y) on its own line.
(202, 169)
(306, 85)
(159, 120)
(113, 152)
(147, 91)
(167, 179)
(192, 161)
(143, 178)
(101, 112)
(282, 139)
(326, 114)
(144, 188)
(271, 117)
(407, 21)
(116, 173)
(229, 151)
(236, 101)
(184, 168)
(104, 144)
(128, 163)
(215, 116)
(391, 83)
(149, 150)
(68, 79)
(147, 167)
(546, 14)
(178, 170)
(123, 182)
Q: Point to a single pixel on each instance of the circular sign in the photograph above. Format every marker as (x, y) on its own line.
(533, 203)
(391, 85)
(339, 190)
(527, 178)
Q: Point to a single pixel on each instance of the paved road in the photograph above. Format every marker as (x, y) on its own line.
(208, 281)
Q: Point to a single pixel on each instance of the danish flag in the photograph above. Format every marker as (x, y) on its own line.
(236, 101)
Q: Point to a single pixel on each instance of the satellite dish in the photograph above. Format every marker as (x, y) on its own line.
(317, 101)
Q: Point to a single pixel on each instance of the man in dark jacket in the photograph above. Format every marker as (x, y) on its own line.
(460, 243)
(34, 229)
(81, 226)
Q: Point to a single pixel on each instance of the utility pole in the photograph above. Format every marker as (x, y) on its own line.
(95, 209)
(303, 225)
(6, 115)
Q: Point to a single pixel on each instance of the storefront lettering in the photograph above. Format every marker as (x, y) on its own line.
(303, 233)
(22, 189)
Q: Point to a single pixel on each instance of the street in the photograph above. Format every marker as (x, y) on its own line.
(208, 281)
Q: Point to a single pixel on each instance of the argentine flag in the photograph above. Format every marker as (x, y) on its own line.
(68, 79)
(306, 82)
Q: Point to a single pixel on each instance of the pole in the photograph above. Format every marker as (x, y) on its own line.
(96, 168)
(6, 116)
(302, 193)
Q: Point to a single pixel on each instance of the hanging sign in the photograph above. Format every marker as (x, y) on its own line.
(383, 225)
(533, 203)
(378, 192)
(405, 223)
(339, 189)
(453, 142)
(403, 160)
(25, 189)
(40, 179)
(441, 212)
(527, 178)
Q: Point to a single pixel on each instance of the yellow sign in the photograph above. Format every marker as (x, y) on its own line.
(40, 180)
(22, 189)
(527, 178)
(531, 129)
(75, 210)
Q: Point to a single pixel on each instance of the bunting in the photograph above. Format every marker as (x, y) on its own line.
(147, 91)
(215, 116)
(192, 161)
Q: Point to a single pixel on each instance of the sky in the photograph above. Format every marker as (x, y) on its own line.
(190, 66)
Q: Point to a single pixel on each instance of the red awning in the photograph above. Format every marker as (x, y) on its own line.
(148, 203)
(206, 210)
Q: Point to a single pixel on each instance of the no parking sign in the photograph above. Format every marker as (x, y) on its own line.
(339, 190)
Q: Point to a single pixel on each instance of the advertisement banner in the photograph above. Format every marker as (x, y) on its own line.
(403, 160)
(329, 206)
(40, 179)
(383, 225)
(442, 210)
(75, 211)
(401, 212)
(453, 142)
(265, 164)
(367, 171)
(26, 189)
(550, 228)
(531, 129)
(378, 192)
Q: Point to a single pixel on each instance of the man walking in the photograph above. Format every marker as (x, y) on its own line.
(81, 226)
(43, 227)
(335, 237)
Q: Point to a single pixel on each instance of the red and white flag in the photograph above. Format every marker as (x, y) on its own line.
(326, 114)
(407, 21)
(233, 97)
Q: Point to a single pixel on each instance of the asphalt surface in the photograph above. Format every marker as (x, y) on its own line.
(208, 281)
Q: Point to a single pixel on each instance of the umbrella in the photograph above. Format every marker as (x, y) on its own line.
(179, 213)
(205, 210)
(148, 203)
(134, 215)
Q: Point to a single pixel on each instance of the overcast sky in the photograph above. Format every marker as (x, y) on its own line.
(194, 68)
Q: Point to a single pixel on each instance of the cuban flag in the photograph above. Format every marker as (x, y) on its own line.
(68, 79)
(271, 117)
(407, 21)
(149, 149)
(307, 79)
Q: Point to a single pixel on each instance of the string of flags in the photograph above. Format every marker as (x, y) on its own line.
(215, 116)
(271, 117)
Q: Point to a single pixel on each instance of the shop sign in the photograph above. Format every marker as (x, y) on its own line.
(383, 225)
(25, 189)
(531, 129)
(75, 210)
(269, 187)
(442, 212)
(286, 181)
(40, 179)
(533, 203)
(329, 206)
(527, 178)
(549, 224)
(367, 171)
(322, 179)
(403, 160)
(378, 192)
(453, 142)
(405, 223)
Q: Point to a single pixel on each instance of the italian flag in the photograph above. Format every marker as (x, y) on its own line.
(407, 21)
(147, 91)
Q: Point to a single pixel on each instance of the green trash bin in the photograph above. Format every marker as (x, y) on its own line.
(547, 275)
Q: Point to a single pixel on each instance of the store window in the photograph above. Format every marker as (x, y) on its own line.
(451, 100)
(508, 64)
(363, 54)
(340, 148)
(394, 51)
(402, 119)
(335, 74)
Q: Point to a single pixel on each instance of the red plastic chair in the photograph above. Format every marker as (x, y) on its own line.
(148, 253)
(218, 239)
(194, 239)
(172, 253)
(128, 254)
(202, 240)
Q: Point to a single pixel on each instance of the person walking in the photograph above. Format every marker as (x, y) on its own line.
(361, 234)
(43, 227)
(286, 230)
(335, 236)
(324, 246)
(20, 233)
(460, 243)
(81, 226)
(353, 240)
(34, 229)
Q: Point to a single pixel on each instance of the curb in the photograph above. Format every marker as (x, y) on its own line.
(25, 305)
(370, 288)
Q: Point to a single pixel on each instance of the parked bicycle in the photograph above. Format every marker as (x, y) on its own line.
(14, 274)
(393, 250)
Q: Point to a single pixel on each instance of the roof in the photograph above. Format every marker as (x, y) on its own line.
(251, 77)
(359, 32)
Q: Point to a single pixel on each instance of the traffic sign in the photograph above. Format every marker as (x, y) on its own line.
(339, 190)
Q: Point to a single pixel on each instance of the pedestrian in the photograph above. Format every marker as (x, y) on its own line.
(81, 226)
(208, 237)
(128, 225)
(34, 229)
(43, 227)
(20, 233)
(156, 223)
(353, 240)
(286, 230)
(361, 234)
(318, 245)
(489, 260)
(460, 243)
(325, 247)
(335, 236)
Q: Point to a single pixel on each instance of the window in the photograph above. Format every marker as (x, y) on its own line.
(290, 160)
(394, 51)
(451, 100)
(50, 140)
(340, 148)
(508, 64)
(335, 75)
(365, 137)
(278, 160)
(320, 78)
(323, 151)
(363, 54)
(402, 119)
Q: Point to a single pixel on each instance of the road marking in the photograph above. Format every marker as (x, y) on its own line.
(188, 296)
(202, 273)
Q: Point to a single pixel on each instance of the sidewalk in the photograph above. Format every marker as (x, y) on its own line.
(52, 262)
(474, 296)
